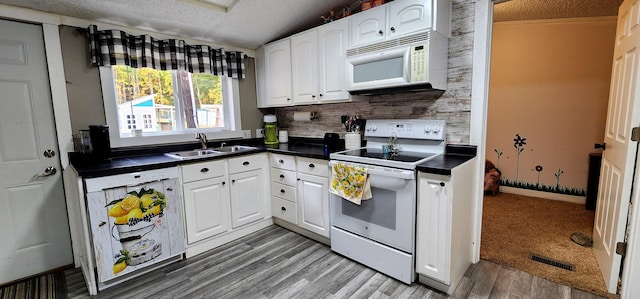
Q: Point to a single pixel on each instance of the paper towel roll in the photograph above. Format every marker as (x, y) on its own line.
(302, 116)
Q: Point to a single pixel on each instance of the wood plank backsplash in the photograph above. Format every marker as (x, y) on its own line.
(454, 106)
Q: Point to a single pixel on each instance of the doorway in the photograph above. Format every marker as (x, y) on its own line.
(547, 107)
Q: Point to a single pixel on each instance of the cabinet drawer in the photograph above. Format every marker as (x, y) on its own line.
(203, 170)
(286, 177)
(283, 191)
(283, 161)
(313, 166)
(245, 163)
(283, 209)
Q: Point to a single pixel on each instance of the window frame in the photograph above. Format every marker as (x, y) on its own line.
(231, 100)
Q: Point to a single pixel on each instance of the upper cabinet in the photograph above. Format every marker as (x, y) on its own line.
(311, 67)
(399, 18)
(277, 74)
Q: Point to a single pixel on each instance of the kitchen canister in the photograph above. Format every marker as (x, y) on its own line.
(283, 136)
(352, 140)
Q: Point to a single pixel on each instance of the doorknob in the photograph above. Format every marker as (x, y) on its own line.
(47, 172)
(603, 146)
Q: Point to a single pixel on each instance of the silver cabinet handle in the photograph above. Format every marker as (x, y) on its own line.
(49, 171)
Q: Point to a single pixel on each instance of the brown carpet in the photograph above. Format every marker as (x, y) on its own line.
(514, 226)
(46, 286)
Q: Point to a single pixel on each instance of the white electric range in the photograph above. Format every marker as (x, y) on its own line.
(380, 233)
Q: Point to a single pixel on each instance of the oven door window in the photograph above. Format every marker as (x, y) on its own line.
(381, 212)
(388, 217)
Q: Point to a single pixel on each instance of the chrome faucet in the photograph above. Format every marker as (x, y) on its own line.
(393, 144)
(203, 140)
(222, 144)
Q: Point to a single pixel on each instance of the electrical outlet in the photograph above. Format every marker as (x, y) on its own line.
(246, 134)
(259, 133)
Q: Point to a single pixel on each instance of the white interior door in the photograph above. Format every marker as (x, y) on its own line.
(33, 214)
(619, 157)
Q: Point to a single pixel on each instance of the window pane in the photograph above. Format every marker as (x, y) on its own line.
(144, 99)
(201, 99)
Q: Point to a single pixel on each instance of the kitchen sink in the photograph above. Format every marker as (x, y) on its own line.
(193, 154)
(216, 151)
(233, 148)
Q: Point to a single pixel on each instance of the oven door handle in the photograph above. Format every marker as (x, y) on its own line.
(383, 171)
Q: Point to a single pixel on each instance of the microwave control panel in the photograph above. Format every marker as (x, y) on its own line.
(419, 62)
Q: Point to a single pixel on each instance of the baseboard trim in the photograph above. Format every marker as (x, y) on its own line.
(547, 195)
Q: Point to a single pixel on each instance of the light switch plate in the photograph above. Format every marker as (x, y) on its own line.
(246, 134)
(259, 133)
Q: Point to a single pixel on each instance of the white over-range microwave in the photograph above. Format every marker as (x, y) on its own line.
(410, 63)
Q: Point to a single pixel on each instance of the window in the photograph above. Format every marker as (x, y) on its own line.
(166, 104)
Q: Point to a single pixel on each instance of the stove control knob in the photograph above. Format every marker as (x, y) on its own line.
(436, 129)
(368, 129)
(427, 129)
(374, 128)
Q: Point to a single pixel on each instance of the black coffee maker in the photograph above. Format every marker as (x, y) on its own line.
(100, 142)
(331, 142)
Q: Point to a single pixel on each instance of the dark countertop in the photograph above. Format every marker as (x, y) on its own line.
(149, 158)
(140, 159)
(454, 155)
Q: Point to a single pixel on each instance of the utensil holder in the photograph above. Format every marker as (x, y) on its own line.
(352, 140)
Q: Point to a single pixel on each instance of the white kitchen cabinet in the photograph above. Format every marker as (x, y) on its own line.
(313, 204)
(206, 199)
(444, 227)
(318, 64)
(224, 200)
(207, 208)
(283, 187)
(248, 178)
(277, 75)
(247, 197)
(304, 67)
(313, 195)
(333, 39)
(399, 18)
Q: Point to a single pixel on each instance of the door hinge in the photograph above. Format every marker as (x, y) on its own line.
(635, 134)
(621, 248)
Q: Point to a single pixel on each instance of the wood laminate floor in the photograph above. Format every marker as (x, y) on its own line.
(278, 263)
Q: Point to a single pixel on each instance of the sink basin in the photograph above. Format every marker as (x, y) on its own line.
(193, 154)
(233, 148)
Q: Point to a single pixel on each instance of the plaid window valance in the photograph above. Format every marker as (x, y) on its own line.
(115, 47)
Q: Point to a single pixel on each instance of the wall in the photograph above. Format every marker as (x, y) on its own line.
(250, 115)
(549, 83)
(454, 105)
(84, 91)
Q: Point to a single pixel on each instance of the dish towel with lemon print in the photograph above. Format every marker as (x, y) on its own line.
(350, 182)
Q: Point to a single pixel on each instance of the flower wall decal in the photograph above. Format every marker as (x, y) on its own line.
(518, 143)
(539, 170)
(499, 152)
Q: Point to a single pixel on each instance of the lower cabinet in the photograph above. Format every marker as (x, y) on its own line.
(313, 203)
(299, 193)
(444, 232)
(247, 197)
(224, 200)
(207, 208)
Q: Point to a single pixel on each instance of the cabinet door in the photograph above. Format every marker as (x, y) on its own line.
(304, 67)
(247, 197)
(333, 39)
(277, 66)
(313, 204)
(433, 241)
(408, 16)
(207, 208)
(368, 26)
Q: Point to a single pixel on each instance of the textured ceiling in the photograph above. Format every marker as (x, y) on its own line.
(248, 24)
(517, 10)
(251, 23)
